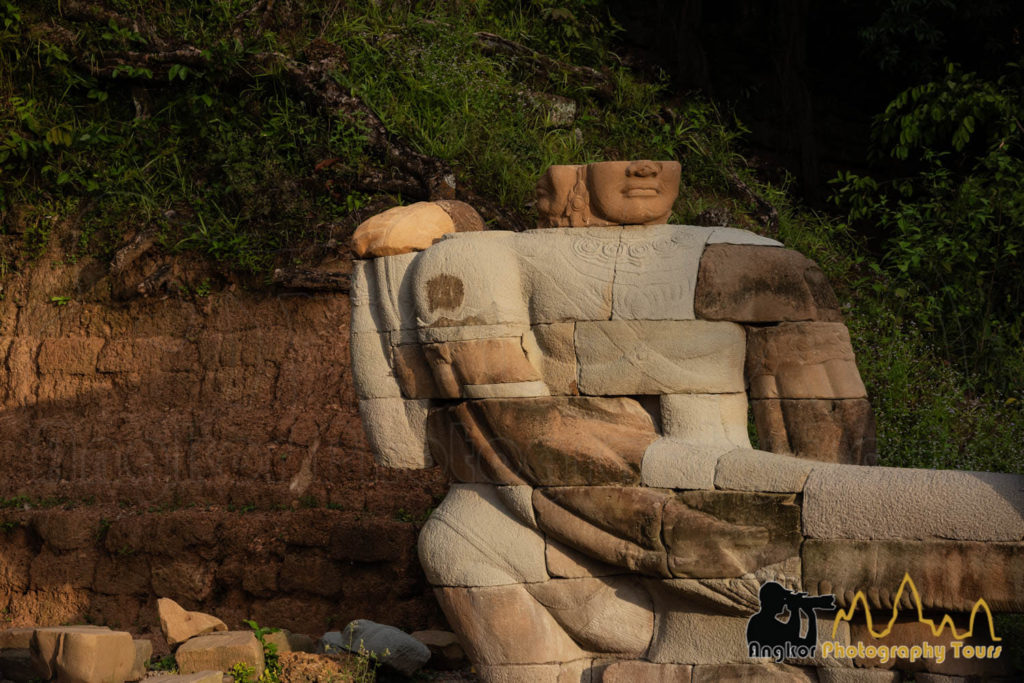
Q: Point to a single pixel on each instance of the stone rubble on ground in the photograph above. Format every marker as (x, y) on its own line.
(204, 650)
(392, 647)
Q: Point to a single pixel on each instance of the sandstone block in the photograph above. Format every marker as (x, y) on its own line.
(143, 653)
(46, 643)
(286, 641)
(755, 673)
(413, 372)
(479, 362)
(634, 547)
(621, 357)
(725, 235)
(179, 624)
(472, 539)
(892, 503)
(198, 677)
(675, 464)
(647, 672)
(656, 272)
(16, 638)
(847, 675)
(445, 649)
(571, 672)
(438, 335)
(371, 366)
(558, 440)
(837, 431)
(382, 294)
(96, 656)
(756, 284)
(802, 360)
(507, 390)
(713, 534)
(552, 348)
(709, 419)
(401, 230)
(365, 316)
(949, 575)
(686, 634)
(464, 217)
(612, 615)
(397, 431)
(505, 625)
(745, 469)
(472, 280)
(393, 647)
(566, 562)
(220, 652)
(16, 665)
(519, 501)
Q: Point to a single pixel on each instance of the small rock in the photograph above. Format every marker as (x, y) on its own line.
(445, 649)
(16, 664)
(179, 625)
(220, 651)
(392, 647)
(143, 652)
(286, 641)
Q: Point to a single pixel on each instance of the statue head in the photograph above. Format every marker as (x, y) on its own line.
(607, 193)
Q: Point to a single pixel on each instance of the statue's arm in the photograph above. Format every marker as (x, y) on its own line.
(806, 394)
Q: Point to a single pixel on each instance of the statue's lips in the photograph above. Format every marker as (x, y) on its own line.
(642, 192)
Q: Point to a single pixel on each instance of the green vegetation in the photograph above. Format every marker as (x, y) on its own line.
(210, 124)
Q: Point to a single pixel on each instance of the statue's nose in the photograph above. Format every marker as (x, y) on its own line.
(642, 169)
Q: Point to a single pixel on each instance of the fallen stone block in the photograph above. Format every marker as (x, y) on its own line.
(45, 646)
(179, 625)
(220, 651)
(401, 230)
(95, 656)
(393, 647)
(16, 638)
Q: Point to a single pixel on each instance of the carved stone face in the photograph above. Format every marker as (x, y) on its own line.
(552, 194)
(633, 192)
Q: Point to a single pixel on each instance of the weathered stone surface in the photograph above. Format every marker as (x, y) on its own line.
(143, 653)
(755, 673)
(674, 464)
(755, 284)
(16, 665)
(393, 647)
(802, 360)
(745, 469)
(179, 625)
(687, 633)
(401, 230)
(621, 357)
(397, 431)
(646, 672)
(613, 615)
(552, 348)
(506, 390)
(472, 280)
(220, 651)
(480, 361)
(391, 293)
(725, 235)
(559, 440)
(570, 672)
(607, 534)
(95, 656)
(198, 677)
(286, 641)
(15, 638)
(847, 675)
(656, 272)
(445, 649)
(506, 625)
(413, 372)
(949, 575)
(710, 419)
(46, 643)
(566, 562)
(908, 631)
(712, 534)
(440, 335)
(464, 217)
(837, 431)
(519, 501)
(471, 539)
(372, 373)
(892, 503)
